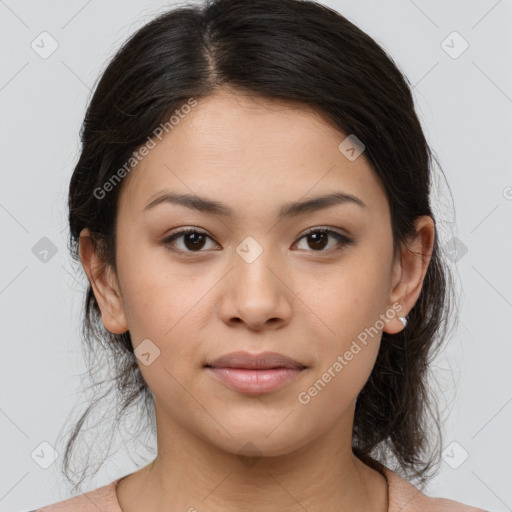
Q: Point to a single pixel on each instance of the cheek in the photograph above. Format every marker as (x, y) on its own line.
(345, 299)
(347, 304)
(344, 363)
(162, 306)
(168, 305)
(332, 394)
(158, 295)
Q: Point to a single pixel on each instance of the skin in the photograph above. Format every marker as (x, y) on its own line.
(296, 298)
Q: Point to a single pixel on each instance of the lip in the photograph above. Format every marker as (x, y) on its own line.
(255, 373)
(262, 361)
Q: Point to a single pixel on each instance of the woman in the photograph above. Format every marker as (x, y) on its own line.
(251, 207)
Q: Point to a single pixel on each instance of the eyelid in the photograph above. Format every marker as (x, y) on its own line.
(323, 228)
(342, 238)
(185, 231)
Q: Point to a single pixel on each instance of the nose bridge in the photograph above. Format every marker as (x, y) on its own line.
(256, 290)
(256, 265)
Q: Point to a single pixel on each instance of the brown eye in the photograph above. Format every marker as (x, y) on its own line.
(192, 240)
(318, 239)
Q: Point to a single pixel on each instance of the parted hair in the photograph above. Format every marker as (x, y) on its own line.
(289, 50)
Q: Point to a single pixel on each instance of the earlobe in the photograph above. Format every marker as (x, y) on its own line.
(410, 268)
(104, 285)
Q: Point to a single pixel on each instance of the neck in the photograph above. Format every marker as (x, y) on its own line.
(190, 474)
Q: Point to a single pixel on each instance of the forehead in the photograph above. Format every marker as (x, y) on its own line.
(240, 149)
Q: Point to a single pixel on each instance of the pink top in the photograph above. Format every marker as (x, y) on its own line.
(403, 497)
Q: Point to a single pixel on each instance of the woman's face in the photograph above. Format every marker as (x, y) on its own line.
(252, 279)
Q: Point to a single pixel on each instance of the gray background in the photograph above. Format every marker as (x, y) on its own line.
(465, 104)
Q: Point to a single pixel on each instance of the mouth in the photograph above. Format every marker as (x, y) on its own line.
(255, 373)
(263, 361)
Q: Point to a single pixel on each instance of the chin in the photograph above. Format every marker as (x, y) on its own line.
(255, 442)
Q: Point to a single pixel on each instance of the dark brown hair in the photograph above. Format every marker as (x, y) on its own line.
(289, 50)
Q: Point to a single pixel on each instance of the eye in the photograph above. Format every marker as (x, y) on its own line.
(318, 239)
(193, 240)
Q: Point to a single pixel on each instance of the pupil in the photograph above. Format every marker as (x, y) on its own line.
(315, 237)
(194, 238)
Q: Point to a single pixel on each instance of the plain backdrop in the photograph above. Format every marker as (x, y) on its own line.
(457, 56)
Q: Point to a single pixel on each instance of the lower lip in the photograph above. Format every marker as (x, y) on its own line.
(255, 381)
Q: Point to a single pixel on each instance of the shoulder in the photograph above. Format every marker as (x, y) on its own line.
(104, 499)
(405, 497)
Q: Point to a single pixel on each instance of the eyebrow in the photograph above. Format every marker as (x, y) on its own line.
(292, 209)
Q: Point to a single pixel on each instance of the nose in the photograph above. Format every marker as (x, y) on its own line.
(257, 294)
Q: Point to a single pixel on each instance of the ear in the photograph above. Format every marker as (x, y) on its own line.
(409, 270)
(104, 284)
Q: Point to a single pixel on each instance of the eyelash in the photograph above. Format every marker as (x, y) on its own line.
(342, 239)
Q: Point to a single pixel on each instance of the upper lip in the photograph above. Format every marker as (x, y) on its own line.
(262, 361)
